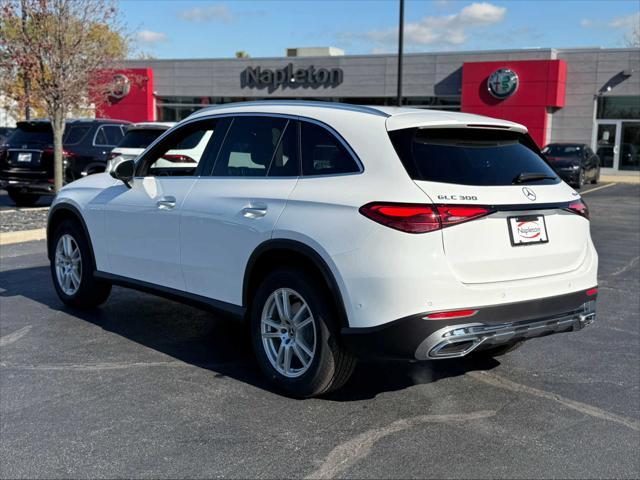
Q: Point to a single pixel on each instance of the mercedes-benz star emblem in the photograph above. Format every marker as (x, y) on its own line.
(530, 194)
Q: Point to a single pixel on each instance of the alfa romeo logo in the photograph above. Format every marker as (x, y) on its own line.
(502, 83)
(530, 194)
(120, 86)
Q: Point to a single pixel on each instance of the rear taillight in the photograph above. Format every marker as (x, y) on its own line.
(592, 291)
(65, 153)
(179, 158)
(418, 218)
(579, 208)
(113, 155)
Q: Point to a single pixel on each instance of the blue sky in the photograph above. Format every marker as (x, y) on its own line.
(204, 29)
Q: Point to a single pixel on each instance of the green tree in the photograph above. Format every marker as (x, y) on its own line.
(52, 55)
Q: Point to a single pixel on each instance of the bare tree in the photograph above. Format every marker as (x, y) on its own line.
(62, 47)
(632, 39)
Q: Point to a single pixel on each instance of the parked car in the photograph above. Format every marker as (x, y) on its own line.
(338, 232)
(26, 160)
(575, 163)
(5, 133)
(137, 137)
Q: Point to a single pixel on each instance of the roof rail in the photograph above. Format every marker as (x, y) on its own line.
(300, 103)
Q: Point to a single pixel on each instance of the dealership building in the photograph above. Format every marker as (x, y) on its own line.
(586, 95)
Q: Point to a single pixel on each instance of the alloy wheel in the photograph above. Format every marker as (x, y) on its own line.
(68, 263)
(288, 332)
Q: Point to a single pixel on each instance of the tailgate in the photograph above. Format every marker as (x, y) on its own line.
(525, 237)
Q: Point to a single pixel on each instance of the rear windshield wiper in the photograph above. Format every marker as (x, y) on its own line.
(525, 177)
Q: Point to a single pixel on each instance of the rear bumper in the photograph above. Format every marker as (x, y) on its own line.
(28, 185)
(418, 338)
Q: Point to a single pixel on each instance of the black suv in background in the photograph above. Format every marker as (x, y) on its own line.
(26, 159)
(575, 163)
(5, 133)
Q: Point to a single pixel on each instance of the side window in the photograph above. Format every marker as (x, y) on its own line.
(75, 134)
(179, 153)
(285, 161)
(323, 153)
(249, 147)
(108, 136)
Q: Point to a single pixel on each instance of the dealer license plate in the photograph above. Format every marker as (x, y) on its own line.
(528, 229)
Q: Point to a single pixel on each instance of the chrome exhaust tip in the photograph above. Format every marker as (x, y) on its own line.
(456, 341)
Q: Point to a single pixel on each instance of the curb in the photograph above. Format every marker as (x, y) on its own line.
(8, 238)
(620, 178)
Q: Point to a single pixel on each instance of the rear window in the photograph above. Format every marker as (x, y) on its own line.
(562, 150)
(140, 138)
(33, 134)
(469, 156)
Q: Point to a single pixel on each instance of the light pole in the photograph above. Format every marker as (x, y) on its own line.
(400, 45)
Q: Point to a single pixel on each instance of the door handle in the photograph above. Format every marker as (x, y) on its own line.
(166, 203)
(254, 211)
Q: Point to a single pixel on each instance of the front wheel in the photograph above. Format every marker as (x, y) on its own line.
(596, 177)
(295, 335)
(72, 268)
(580, 183)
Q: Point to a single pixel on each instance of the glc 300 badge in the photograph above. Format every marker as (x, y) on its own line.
(502, 83)
(530, 194)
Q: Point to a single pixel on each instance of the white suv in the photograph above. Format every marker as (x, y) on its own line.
(339, 231)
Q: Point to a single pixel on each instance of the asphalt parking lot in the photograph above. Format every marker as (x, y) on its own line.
(145, 387)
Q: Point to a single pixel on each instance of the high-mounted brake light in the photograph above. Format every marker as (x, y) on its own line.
(451, 314)
(418, 218)
(579, 208)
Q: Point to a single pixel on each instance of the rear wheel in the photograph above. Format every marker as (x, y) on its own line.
(295, 335)
(72, 268)
(22, 199)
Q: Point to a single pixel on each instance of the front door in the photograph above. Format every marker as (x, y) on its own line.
(234, 208)
(607, 143)
(143, 222)
(629, 146)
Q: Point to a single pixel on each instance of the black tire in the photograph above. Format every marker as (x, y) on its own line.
(497, 351)
(91, 292)
(22, 199)
(332, 365)
(580, 183)
(596, 178)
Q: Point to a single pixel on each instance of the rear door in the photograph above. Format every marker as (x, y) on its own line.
(528, 233)
(233, 208)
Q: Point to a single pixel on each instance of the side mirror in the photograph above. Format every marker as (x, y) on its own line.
(123, 170)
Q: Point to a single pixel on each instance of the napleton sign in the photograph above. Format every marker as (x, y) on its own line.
(290, 77)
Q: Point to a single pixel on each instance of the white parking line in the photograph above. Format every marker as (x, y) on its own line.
(501, 382)
(598, 188)
(15, 336)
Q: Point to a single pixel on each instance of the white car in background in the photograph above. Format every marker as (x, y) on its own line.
(136, 139)
(338, 231)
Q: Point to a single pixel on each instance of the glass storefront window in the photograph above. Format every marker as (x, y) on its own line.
(173, 109)
(619, 107)
(630, 148)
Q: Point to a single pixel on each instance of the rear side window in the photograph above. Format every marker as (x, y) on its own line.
(323, 153)
(139, 138)
(249, 147)
(75, 134)
(40, 134)
(469, 156)
(108, 135)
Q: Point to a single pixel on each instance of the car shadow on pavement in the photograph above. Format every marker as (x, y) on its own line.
(211, 341)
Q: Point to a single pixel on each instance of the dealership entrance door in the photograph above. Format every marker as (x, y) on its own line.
(617, 143)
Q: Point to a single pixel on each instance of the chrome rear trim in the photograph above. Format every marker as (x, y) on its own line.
(459, 340)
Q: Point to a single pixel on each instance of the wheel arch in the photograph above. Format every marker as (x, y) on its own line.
(58, 214)
(295, 253)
